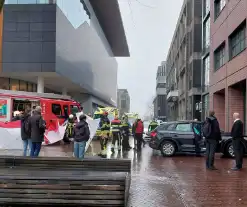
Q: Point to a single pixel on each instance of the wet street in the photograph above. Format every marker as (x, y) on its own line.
(181, 181)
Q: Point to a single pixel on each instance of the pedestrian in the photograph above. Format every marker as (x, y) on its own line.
(26, 131)
(105, 127)
(115, 128)
(81, 136)
(37, 127)
(198, 137)
(211, 131)
(237, 136)
(139, 128)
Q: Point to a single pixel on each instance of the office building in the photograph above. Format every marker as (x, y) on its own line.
(228, 57)
(123, 101)
(204, 106)
(64, 47)
(160, 102)
(184, 64)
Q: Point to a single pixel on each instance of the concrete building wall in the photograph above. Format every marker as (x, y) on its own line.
(184, 63)
(84, 58)
(229, 79)
(123, 101)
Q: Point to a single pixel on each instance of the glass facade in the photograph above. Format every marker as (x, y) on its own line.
(206, 33)
(205, 106)
(28, 1)
(207, 6)
(206, 73)
(76, 12)
(19, 85)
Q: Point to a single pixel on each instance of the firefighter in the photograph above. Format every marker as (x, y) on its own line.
(125, 132)
(153, 124)
(69, 129)
(115, 128)
(105, 132)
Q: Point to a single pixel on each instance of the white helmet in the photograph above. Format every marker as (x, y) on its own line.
(71, 116)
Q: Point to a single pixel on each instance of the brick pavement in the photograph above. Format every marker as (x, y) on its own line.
(180, 181)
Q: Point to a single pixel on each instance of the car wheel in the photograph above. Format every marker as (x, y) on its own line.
(168, 149)
(229, 150)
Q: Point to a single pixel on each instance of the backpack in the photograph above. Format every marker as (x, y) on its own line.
(207, 129)
(26, 127)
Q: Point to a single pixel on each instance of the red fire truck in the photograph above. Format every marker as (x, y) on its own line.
(54, 107)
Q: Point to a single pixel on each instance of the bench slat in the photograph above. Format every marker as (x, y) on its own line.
(60, 201)
(48, 195)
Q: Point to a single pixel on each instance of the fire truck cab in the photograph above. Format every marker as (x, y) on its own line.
(54, 107)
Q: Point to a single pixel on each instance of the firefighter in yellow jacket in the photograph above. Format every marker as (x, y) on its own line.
(105, 127)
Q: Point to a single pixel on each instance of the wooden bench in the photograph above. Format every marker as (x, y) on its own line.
(45, 181)
(45, 187)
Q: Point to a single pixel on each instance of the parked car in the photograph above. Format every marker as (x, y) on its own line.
(173, 137)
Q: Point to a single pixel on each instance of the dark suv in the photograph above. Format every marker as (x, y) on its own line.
(179, 136)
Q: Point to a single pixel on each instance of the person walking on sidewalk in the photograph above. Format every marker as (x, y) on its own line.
(37, 127)
(26, 132)
(211, 131)
(81, 136)
(237, 136)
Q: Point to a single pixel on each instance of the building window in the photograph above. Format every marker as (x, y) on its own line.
(14, 85)
(219, 56)
(4, 83)
(23, 86)
(206, 33)
(206, 7)
(30, 87)
(206, 68)
(218, 7)
(77, 12)
(237, 40)
(205, 106)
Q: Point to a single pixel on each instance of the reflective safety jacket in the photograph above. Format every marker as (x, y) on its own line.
(152, 126)
(70, 129)
(104, 124)
(115, 125)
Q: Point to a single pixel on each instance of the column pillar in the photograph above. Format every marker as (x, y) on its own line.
(40, 84)
(65, 91)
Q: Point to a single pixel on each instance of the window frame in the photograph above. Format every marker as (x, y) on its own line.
(220, 5)
(238, 36)
(221, 49)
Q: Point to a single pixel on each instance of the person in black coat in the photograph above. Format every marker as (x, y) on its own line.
(81, 136)
(37, 126)
(237, 136)
(212, 139)
(25, 131)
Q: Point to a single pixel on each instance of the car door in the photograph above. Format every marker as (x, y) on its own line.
(184, 134)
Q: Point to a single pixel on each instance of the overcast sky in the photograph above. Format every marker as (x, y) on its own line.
(149, 26)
